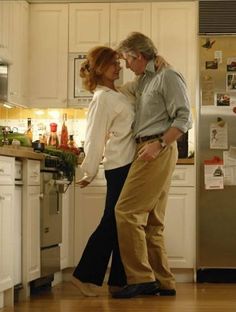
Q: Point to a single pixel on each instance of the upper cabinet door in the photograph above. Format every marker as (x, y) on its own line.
(125, 18)
(174, 32)
(5, 29)
(128, 17)
(48, 42)
(88, 26)
(18, 69)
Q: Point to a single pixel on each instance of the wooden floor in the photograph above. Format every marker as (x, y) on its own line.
(190, 298)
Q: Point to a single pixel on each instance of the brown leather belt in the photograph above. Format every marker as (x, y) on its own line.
(147, 138)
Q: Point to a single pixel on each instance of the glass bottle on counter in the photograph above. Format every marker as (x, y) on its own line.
(53, 138)
(29, 132)
(64, 132)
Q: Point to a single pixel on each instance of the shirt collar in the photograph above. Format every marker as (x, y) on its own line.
(150, 67)
(99, 87)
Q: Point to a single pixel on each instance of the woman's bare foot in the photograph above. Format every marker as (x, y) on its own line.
(85, 288)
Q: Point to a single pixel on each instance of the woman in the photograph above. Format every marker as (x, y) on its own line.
(108, 139)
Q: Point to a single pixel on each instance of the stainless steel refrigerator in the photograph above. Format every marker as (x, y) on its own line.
(216, 208)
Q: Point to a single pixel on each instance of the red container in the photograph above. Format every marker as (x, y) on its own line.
(53, 127)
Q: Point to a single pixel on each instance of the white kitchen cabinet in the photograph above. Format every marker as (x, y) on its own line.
(89, 207)
(30, 223)
(125, 18)
(128, 17)
(18, 223)
(6, 229)
(6, 236)
(180, 227)
(5, 29)
(31, 228)
(174, 32)
(7, 169)
(48, 47)
(17, 234)
(180, 219)
(67, 246)
(18, 68)
(105, 24)
(88, 26)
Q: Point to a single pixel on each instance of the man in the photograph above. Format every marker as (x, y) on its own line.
(162, 116)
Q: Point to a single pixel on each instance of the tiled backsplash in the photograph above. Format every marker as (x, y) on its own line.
(16, 119)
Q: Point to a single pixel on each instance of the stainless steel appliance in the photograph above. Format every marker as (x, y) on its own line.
(216, 208)
(52, 187)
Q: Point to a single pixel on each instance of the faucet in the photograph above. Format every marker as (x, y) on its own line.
(5, 140)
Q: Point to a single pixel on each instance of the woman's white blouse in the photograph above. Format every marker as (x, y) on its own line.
(108, 135)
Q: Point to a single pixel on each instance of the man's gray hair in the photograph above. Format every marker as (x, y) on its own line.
(138, 42)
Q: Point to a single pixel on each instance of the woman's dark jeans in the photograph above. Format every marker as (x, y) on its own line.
(104, 242)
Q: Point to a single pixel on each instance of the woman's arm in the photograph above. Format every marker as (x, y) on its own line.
(95, 139)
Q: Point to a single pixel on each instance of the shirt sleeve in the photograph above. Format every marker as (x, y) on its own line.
(95, 138)
(177, 101)
(129, 88)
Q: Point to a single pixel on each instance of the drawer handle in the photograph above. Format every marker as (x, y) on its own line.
(178, 176)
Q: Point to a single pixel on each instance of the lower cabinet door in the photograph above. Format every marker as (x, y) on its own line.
(6, 237)
(179, 230)
(17, 235)
(31, 233)
(89, 207)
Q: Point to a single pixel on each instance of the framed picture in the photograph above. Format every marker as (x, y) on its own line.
(222, 99)
(231, 82)
(231, 64)
(211, 64)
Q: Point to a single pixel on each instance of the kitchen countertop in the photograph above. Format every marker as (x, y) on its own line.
(185, 161)
(28, 152)
(20, 152)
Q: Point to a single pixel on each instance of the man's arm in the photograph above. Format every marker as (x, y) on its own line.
(151, 150)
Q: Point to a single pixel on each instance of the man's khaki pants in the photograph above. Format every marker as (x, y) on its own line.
(140, 213)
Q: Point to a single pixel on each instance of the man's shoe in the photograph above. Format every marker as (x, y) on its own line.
(134, 290)
(165, 292)
(114, 289)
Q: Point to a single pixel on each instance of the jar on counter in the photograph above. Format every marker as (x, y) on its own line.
(53, 138)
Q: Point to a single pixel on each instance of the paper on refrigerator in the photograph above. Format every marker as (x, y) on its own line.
(218, 136)
(230, 166)
(214, 174)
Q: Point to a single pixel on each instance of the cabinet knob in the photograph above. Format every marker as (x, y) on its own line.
(41, 196)
(2, 197)
(1, 170)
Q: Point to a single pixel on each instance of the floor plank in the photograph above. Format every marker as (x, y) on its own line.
(190, 298)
